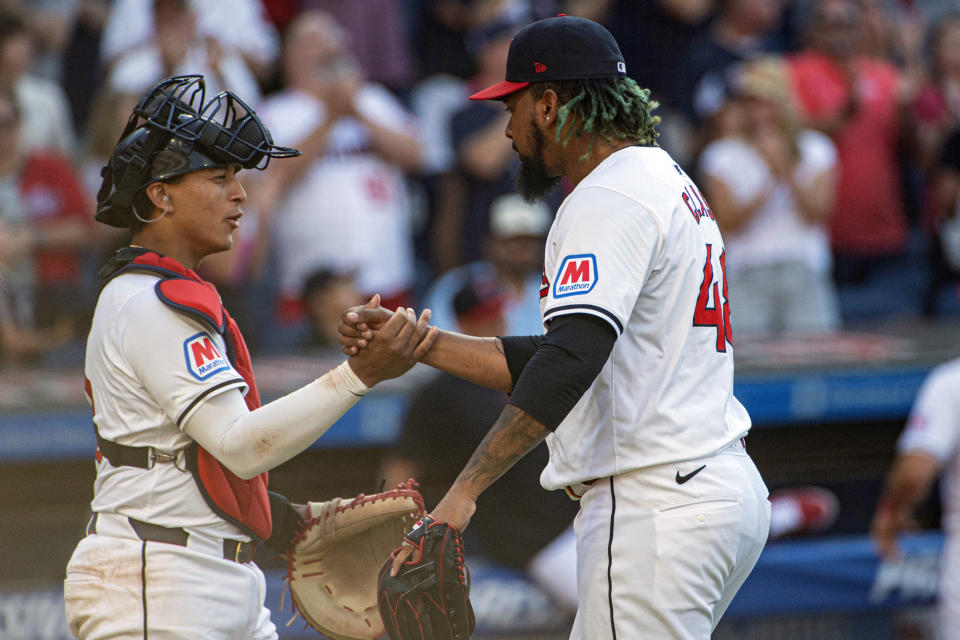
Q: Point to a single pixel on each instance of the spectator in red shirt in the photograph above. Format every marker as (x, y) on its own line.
(857, 100)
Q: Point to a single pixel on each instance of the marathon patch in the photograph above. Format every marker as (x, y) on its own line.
(203, 357)
(577, 275)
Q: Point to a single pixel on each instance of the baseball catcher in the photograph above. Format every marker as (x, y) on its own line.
(429, 597)
(184, 444)
(332, 562)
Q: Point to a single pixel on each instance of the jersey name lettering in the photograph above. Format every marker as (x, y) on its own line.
(577, 274)
(696, 203)
(202, 356)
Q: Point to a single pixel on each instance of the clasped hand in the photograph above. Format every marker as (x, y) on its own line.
(383, 344)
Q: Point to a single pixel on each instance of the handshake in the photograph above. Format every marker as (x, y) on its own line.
(384, 344)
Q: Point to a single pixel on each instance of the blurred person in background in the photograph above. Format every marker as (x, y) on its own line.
(108, 115)
(236, 25)
(741, 30)
(771, 185)
(720, 116)
(438, 35)
(859, 101)
(886, 28)
(378, 38)
(485, 164)
(522, 11)
(513, 258)
(928, 448)
(49, 23)
(468, 163)
(108, 111)
(528, 528)
(937, 107)
(81, 69)
(944, 264)
(326, 294)
(343, 204)
(895, 32)
(177, 46)
(46, 122)
(20, 339)
(936, 113)
(42, 212)
(656, 37)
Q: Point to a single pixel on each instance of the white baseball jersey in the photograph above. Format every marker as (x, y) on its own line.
(149, 368)
(636, 245)
(933, 429)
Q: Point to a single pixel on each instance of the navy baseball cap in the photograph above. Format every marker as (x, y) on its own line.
(561, 48)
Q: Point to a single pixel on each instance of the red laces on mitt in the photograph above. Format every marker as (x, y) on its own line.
(332, 563)
(429, 598)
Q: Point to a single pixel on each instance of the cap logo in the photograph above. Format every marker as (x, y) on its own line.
(621, 67)
(539, 67)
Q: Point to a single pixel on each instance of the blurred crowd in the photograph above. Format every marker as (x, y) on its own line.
(825, 134)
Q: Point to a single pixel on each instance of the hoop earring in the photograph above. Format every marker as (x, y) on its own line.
(144, 220)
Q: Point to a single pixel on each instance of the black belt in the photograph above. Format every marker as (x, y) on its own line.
(235, 550)
(121, 455)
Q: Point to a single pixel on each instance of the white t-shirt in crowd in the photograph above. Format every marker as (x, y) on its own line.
(139, 69)
(350, 210)
(237, 24)
(777, 231)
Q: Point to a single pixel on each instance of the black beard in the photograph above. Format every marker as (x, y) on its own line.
(533, 181)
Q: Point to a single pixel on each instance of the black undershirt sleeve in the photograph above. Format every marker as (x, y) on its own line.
(564, 365)
(518, 350)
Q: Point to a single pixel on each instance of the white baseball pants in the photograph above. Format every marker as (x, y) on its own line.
(124, 587)
(660, 559)
(948, 600)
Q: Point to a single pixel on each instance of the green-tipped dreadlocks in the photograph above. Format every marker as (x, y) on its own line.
(614, 108)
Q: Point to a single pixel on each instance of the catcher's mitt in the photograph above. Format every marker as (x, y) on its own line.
(429, 598)
(332, 563)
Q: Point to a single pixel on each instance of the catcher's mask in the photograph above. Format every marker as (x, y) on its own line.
(173, 131)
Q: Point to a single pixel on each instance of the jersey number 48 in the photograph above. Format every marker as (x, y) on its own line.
(717, 315)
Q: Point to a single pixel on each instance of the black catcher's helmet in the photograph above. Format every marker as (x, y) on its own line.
(174, 131)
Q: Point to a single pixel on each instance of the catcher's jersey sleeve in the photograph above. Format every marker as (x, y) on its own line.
(601, 249)
(179, 361)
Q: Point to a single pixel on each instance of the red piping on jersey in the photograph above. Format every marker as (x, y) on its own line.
(242, 502)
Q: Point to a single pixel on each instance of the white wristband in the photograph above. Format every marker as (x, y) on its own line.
(344, 375)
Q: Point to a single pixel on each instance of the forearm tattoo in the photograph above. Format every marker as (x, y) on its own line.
(511, 437)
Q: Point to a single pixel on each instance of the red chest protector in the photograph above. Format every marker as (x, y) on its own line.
(241, 502)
